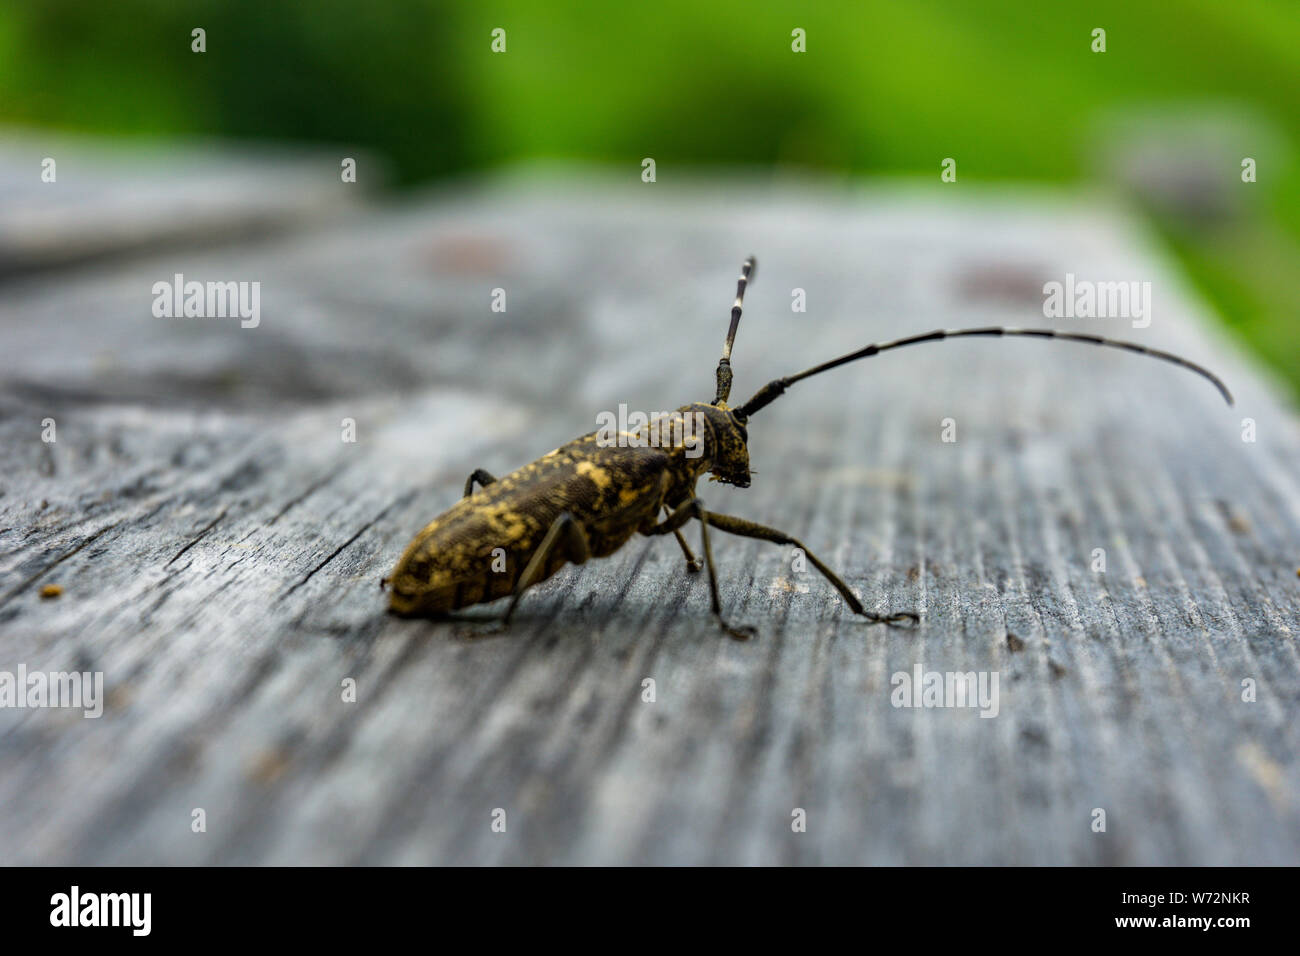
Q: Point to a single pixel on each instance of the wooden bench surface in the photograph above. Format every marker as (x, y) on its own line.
(219, 546)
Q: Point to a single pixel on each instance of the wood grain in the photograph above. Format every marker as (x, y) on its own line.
(219, 547)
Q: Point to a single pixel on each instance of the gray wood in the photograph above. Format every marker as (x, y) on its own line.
(109, 200)
(220, 546)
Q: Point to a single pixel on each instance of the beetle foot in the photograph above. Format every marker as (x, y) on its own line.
(481, 629)
(738, 632)
(903, 619)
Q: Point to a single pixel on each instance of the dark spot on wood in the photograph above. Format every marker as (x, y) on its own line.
(269, 767)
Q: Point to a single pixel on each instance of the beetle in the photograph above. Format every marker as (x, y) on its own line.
(586, 499)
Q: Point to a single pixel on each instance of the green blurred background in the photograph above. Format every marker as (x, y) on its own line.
(1013, 91)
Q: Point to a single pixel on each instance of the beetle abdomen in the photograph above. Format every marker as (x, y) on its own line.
(478, 549)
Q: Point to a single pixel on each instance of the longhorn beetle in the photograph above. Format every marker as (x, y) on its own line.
(586, 499)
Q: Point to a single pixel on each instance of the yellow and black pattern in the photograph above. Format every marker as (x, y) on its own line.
(478, 549)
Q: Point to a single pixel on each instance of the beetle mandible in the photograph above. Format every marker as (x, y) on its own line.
(586, 499)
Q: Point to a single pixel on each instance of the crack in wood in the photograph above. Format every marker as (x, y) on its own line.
(19, 588)
(201, 535)
(311, 490)
(346, 544)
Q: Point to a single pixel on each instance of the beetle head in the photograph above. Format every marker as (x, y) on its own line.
(726, 446)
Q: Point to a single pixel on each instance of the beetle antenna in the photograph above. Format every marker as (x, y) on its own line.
(774, 389)
(724, 363)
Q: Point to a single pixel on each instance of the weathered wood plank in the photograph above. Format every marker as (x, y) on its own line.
(65, 199)
(219, 547)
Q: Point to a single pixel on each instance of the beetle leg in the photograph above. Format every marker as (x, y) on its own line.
(751, 529)
(684, 513)
(479, 475)
(693, 564)
(565, 532)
